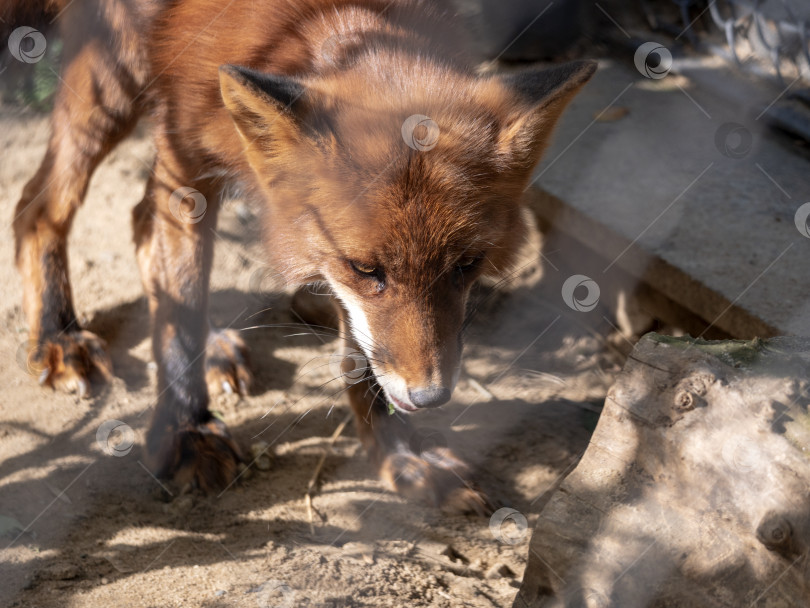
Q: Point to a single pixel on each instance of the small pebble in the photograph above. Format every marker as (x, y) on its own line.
(261, 455)
(362, 551)
(499, 570)
(180, 506)
(612, 114)
(61, 571)
(454, 556)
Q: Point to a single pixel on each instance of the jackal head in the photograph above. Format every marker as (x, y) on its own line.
(400, 190)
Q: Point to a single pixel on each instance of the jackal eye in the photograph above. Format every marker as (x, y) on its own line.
(468, 263)
(365, 270)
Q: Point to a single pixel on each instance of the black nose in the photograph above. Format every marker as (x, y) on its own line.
(429, 397)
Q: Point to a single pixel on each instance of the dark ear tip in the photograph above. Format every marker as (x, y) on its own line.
(234, 71)
(247, 75)
(231, 72)
(284, 90)
(543, 84)
(584, 69)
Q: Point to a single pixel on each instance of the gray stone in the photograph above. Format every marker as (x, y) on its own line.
(693, 489)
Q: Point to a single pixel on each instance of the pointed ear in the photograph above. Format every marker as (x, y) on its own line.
(269, 110)
(544, 95)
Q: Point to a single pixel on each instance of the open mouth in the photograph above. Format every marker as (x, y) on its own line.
(405, 407)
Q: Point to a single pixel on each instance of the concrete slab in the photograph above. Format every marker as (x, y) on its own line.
(689, 193)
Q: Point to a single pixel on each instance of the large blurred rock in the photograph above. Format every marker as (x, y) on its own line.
(695, 489)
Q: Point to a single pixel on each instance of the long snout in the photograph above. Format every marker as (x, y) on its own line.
(425, 358)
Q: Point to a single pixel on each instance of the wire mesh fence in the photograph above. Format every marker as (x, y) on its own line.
(768, 37)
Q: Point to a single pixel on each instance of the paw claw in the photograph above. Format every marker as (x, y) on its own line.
(68, 361)
(226, 364)
(439, 479)
(82, 388)
(203, 456)
(468, 500)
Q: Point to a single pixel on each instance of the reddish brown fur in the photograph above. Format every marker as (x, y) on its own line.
(339, 183)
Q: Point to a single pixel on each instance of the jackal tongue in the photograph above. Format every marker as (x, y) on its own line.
(403, 406)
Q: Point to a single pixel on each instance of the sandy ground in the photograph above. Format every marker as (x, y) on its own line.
(83, 528)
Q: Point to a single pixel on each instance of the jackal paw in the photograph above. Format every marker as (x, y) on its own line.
(226, 363)
(69, 361)
(204, 456)
(437, 477)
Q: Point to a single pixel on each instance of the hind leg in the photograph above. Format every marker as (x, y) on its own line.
(94, 109)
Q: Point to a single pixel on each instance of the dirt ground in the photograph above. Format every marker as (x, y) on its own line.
(80, 527)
